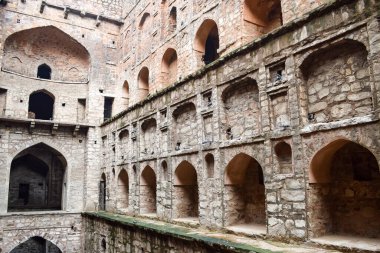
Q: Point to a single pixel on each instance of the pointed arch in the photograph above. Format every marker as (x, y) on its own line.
(37, 179)
(185, 195)
(344, 179)
(48, 41)
(41, 105)
(143, 83)
(36, 244)
(148, 186)
(244, 193)
(123, 190)
(169, 67)
(206, 42)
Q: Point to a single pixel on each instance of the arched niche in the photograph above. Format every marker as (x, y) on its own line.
(37, 180)
(343, 193)
(102, 192)
(148, 186)
(44, 71)
(123, 190)
(125, 94)
(172, 19)
(210, 165)
(185, 134)
(349, 95)
(244, 193)
(283, 153)
(261, 17)
(185, 192)
(37, 46)
(169, 67)
(41, 105)
(241, 110)
(206, 42)
(143, 83)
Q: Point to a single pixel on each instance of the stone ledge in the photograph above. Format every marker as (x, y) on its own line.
(218, 241)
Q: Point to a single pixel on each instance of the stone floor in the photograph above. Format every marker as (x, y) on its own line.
(249, 229)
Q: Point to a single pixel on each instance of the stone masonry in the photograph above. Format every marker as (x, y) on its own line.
(249, 117)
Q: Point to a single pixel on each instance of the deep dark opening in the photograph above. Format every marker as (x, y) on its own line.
(108, 102)
(212, 45)
(44, 72)
(102, 194)
(38, 245)
(41, 106)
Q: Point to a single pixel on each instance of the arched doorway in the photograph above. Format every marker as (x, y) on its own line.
(123, 191)
(207, 41)
(36, 244)
(244, 195)
(41, 105)
(148, 191)
(37, 180)
(344, 191)
(102, 192)
(185, 192)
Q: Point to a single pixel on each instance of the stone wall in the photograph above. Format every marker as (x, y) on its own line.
(61, 229)
(262, 93)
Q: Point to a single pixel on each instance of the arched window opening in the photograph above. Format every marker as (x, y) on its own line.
(41, 105)
(261, 17)
(210, 163)
(169, 67)
(102, 193)
(343, 192)
(125, 94)
(123, 191)
(244, 195)
(284, 157)
(207, 41)
(44, 72)
(145, 19)
(37, 180)
(165, 171)
(36, 244)
(185, 195)
(173, 20)
(148, 191)
(143, 82)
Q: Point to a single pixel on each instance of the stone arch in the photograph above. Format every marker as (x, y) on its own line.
(206, 42)
(36, 243)
(37, 179)
(244, 193)
(50, 240)
(351, 94)
(283, 153)
(185, 192)
(344, 191)
(169, 67)
(148, 137)
(47, 41)
(123, 190)
(241, 110)
(148, 187)
(41, 105)
(143, 83)
(261, 17)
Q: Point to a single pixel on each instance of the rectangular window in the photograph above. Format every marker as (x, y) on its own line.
(108, 102)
